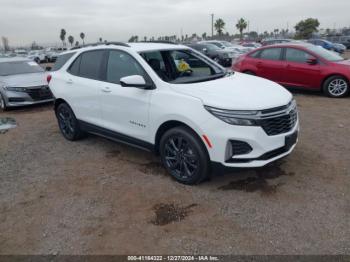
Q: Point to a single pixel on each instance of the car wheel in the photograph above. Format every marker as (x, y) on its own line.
(336, 86)
(68, 123)
(249, 73)
(184, 156)
(3, 106)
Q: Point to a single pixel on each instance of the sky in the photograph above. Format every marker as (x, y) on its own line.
(25, 21)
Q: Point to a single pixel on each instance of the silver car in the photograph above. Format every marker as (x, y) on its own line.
(22, 82)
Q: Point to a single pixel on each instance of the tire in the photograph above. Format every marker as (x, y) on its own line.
(249, 73)
(336, 87)
(3, 106)
(184, 156)
(67, 122)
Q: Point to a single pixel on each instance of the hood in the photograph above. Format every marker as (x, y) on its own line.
(25, 80)
(344, 62)
(238, 92)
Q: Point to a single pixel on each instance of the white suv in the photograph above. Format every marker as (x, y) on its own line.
(174, 101)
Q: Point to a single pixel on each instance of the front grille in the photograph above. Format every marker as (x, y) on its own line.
(281, 124)
(40, 93)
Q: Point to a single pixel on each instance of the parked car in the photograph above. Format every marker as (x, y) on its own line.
(227, 46)
(299, 65)
(275, 41)
(252, 45)
(38, 56)
(321, 42)
(52, 56)
(20, 53)
(221, 56)
(197, 118)
(22, 82)
(339, 48)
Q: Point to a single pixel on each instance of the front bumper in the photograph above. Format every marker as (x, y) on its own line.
(265, 148)
(30, 97)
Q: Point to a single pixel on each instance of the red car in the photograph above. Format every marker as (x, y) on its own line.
(299, 65)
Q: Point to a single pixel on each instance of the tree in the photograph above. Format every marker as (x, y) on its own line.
(63, 36)
(77, 43)
(100, 39)
(82, 36)
(305, 28)
(219, 26)
(71, 40)
(5, 43)
(204, 36)
(241, 26)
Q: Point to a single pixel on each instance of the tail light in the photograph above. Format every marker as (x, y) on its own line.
(48, 79)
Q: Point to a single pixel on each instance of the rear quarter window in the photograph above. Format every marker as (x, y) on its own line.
(61, 61)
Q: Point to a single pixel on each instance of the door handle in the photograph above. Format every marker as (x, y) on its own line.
(70, 81)
(106, 90)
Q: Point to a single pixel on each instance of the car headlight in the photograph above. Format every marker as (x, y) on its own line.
(233, 117)
(15, 89)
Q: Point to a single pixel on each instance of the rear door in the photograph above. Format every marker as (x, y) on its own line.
(270, 64)
(84, 83)
(298, 71)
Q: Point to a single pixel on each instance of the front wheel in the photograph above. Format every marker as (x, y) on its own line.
(336, 87)
(68, 123)
(3, 106)
(184, 156)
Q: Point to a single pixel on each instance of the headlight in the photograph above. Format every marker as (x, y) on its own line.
(233, 117)
(15, 89)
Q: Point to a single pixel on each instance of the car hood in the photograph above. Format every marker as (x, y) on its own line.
(25, 80)
(238, 92)
(344, 62)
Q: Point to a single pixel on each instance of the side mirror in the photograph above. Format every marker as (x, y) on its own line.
(48, 68)
(312, 61)
(134, 81)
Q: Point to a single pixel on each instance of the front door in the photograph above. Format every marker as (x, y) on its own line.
(125, 110)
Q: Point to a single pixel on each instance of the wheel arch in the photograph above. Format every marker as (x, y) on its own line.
(59, 101)
(164, 127)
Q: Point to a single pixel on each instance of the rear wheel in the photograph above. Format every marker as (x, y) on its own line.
(184, 156)
(336, 86)
(68, 123)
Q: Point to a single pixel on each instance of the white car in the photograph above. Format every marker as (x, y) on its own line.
(176, 102)
(37, 56)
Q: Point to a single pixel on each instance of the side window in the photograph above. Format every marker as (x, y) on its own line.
(271, 54)
(255, 54)
(90, 64)
(121, 64)
(61, 60)
(295, 55)
(155, 60)
(75, 66)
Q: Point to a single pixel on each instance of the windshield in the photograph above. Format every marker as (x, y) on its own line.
(19, 67)
(328, 55)
(183, 66)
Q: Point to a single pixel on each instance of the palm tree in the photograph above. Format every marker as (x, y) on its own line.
(204, 36)
(82, 36)
(63, 36)
(100, 39)
(241, 25)
(71, 40)
(219, 26)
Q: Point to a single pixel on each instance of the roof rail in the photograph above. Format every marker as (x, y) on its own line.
(100, 43)
(160, 42)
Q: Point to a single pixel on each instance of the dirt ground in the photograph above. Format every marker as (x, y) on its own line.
(99, 197)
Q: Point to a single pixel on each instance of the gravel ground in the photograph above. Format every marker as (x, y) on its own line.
(99, 197)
